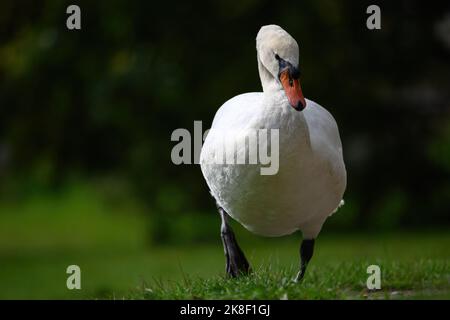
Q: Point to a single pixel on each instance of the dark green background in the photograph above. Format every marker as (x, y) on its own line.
(86, 116)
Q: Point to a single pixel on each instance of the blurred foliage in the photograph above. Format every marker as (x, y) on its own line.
(102, 102)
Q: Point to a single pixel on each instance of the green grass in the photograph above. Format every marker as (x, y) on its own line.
(338, 271)
(412, 266)
(39, 238)
(336, 281)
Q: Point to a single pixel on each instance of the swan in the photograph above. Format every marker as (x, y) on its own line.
(311, 179)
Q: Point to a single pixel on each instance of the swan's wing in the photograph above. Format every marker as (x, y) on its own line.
(237, 112)
(232, 118)
(326, 143)
(322, 127)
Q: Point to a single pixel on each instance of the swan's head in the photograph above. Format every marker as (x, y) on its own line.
(278, 63)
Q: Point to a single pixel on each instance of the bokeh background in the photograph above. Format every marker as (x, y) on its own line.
(86, 119)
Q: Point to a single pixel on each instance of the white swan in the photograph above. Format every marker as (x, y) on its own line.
(311, 179)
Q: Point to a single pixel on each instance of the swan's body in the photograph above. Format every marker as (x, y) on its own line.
(311, 179)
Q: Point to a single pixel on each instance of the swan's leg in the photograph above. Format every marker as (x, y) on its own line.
(236, 263)
(306, 253)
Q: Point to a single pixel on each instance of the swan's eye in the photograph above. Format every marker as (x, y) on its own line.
(291, 82)
(277, 57)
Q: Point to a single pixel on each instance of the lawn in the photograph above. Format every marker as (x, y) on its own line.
(412, 266)
(40, 238)
(338, 271)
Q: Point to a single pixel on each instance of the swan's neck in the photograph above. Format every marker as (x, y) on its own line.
(269, 83)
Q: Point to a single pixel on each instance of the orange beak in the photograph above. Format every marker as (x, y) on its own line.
(293, 91)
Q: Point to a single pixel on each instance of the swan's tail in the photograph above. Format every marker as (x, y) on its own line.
(339, 205)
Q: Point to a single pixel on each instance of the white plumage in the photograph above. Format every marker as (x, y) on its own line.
(311, 178)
